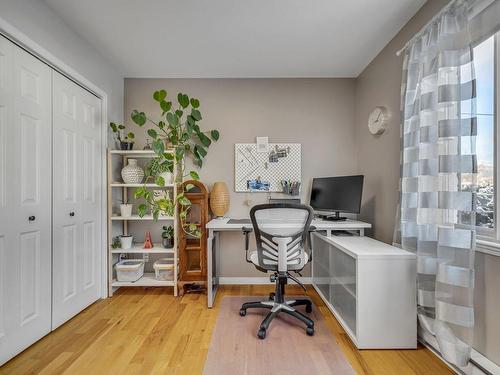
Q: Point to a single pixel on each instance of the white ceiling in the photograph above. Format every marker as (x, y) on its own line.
(237, 38)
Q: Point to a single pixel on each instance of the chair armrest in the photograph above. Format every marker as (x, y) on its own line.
(246, 232)
(312, 229)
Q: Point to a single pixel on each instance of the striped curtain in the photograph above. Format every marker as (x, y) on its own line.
(438, 177)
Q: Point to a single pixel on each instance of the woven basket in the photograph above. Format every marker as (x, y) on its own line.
(219, 199)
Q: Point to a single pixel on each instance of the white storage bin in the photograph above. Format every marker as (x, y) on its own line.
(164, 269)
(129, 270)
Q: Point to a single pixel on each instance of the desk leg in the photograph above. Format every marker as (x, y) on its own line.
(212, 267)
(361, 232)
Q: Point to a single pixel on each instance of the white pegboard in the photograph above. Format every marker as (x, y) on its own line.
(252, 165)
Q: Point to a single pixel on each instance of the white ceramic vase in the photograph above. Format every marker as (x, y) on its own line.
(132, 173)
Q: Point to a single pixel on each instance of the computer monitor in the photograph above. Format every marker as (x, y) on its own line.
(332, 195)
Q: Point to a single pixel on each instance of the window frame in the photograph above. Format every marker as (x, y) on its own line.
(488, 239)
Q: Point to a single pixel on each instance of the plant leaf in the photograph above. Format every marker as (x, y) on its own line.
(183, 100)
(196, 114)
(138, 117)
(113, 127)
(158, 147)
(165, 106)
(194, 175)
(141, 210)
(189, 187)
(179, 113)
(152, 133)
(172, 119)
(179, 153)
(159, 95)
(214, 134)
(160, 181)
(204, 139)
(183, 200)
(195, 103)
(130, 135)
(139, 192)
(200, 151)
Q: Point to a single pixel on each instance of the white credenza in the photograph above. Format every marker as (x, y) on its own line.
(370, 287)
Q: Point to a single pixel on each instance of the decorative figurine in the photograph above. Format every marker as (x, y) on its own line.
(148, 244)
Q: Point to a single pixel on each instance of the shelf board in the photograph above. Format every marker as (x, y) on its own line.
(138, 152)
(137, 248)
(148, 279)
(137, 217)
(121, 184)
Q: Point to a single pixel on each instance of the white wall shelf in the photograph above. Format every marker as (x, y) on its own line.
(154, 186)
(137, 217)
(138, 249)
(148, 279)
(137, 152)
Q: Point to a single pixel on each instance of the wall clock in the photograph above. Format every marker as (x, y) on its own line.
(378, 119)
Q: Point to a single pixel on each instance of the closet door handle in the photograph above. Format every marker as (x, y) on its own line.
(72, 213)
(31, 218)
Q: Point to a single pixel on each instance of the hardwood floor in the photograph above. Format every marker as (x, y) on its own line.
(143, 331)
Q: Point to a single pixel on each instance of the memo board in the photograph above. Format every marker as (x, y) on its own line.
(281, 161)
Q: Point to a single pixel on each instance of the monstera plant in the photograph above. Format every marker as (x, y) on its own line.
(176, 137)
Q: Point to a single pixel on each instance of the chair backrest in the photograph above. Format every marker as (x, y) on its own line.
(281, 231)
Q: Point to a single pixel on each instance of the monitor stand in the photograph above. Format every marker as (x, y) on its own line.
(335, 217)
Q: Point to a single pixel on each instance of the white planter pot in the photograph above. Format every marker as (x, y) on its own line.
(168, 177)
(132, 173)
(126, 210)
(126, 242)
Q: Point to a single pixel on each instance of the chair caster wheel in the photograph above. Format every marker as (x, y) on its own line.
(243, 312)
(309, 309)
(262, 334)
(310, 331)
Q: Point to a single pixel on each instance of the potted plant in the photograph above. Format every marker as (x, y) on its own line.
(126, 140)
(167, 237)
(178, 129)
(160, 167)
(125, 209)
(126, 241)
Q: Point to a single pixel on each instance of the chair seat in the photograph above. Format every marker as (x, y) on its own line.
(254, 257)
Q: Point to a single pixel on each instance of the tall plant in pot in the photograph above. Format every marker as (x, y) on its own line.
(179, 130)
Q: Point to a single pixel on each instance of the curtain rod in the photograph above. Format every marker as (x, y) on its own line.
(422, 30)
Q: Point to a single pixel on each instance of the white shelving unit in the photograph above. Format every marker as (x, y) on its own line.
(116, 160)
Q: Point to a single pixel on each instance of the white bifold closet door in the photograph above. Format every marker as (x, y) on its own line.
(77, 188)
(25, 199)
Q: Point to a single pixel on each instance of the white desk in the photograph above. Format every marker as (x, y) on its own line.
(216, 226)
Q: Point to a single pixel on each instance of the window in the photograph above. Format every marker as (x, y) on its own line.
(485, 61)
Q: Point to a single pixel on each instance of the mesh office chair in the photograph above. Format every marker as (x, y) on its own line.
(281, 231)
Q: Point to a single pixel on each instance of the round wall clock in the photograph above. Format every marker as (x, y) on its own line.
(377, 121)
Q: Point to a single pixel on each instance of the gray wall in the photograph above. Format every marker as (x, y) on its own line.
(378, 160)
(37, 21)
(318, 113)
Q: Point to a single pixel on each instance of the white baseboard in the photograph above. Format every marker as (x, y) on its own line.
(256, 280)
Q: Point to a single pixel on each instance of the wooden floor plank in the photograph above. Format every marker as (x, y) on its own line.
(148, 331)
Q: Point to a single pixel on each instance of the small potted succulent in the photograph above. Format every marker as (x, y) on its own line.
(126, 141)
(167, 237)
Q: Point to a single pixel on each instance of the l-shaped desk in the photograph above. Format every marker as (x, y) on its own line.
(216, 226)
